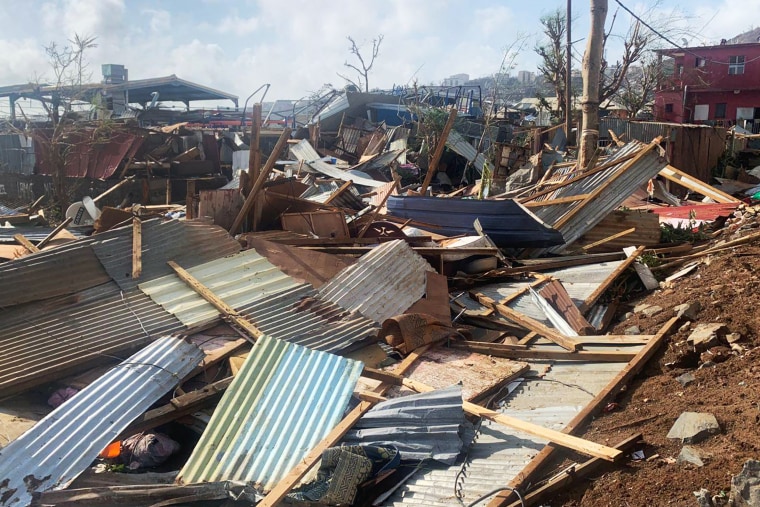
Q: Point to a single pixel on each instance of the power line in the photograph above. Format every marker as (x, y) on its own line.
(663, 37)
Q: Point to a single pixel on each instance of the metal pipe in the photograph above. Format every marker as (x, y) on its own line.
(267, 85)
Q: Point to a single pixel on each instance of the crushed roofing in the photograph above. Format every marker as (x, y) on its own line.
(59, 447)
(284, 400)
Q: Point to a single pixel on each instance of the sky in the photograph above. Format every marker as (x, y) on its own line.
(297, 46)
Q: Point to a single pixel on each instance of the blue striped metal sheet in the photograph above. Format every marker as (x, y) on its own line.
(58, 448)
(284, 400)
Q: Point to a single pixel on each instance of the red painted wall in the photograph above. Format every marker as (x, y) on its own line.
(710, 84)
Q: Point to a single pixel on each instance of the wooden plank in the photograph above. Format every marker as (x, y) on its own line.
(431, 251)
(343, 189)
(526, 322)
(600, 400)
(539, 279)
(295, 475)
(53, 233)
(645, 274)
(692, 183)
(217, 356)
(546, 264)
(609, 238)
(553, 202)
(21, 239)
(191, 201)
(563, 439)
(594, 296)
(510, 352)
(223, 308)
(571, 474)
(136, 248)
(259, 184)
(439, 146)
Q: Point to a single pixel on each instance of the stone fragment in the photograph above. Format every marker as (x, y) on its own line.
(688, 310)
(745, 487)
(733, 337)
(703, 498)
(640, 307)
(705, 336)
(693, 427)
(651, 311)
(686, 379)
(691, 455)
(684, 327)
(633, 330)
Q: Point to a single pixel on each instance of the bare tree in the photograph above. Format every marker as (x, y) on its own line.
(638, 86)
(364, 65)
(635, 44)
(554, 56)
(592, 64)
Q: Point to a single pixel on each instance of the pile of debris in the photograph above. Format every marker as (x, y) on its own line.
(326, 330)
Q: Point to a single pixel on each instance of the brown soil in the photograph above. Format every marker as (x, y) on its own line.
(725, 287)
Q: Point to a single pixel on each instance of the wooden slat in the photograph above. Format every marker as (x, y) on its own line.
(594, 296)
(343, 188)
(507, 351)
(439, 146)
(692, 183)
(223, 308)
(583, 417)
(55, 231)
(136, 248)
(526, 322)
(539, 279)
(609, 238)
(553, 202)
(23, 241)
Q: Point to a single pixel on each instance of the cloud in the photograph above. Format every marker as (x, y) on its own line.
(237, 26)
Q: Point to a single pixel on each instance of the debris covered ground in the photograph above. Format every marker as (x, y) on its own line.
(363, 316)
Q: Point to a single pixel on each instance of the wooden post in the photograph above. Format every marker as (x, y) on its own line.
(439, 146)
(190, 201)
(589, 302)
(254, 153)
(55, 231)
(248, 204)
(222, 307)
(136, 248)
(592, 64)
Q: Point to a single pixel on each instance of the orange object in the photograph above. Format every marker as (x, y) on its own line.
(112, 451)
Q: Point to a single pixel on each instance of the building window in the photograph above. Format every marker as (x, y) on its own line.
(720, 110)
(700, 62)
(736, 65)
(668, 108)
(679, 69)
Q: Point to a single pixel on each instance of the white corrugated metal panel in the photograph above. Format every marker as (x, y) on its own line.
(59, 447)
(284, 400)
(498, 454)
(238, 280)
(382, 283)
(304, 151)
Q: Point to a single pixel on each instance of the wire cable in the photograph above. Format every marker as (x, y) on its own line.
(503, 488)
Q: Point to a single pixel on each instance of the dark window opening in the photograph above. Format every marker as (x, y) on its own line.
(668, 108)
(720, 110)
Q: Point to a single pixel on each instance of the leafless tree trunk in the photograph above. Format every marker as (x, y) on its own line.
(592, 64)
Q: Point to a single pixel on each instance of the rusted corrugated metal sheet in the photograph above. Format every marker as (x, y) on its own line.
(297, 315)
(285, 399)
(381, 284)
(620, 180)
(58, 448)
(42, 342)
(189, 243)
(88, 154)
(555, 294)
(238, 280)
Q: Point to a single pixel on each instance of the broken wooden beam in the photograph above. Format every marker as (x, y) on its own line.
(136, 248)
(602, 288)
(53, 233)
(511, 352)
(226, 310)
(259, 184)
(577, 444)
(438, 152)
(527, 322)
(23, 241)
(692, 183)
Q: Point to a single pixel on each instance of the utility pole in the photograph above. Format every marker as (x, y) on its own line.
(568, 79)
(592, 64)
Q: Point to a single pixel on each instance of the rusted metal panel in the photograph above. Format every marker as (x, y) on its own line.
(284, 400)
(381, 284)
(556, 295)
(59, 447)
(42, 342)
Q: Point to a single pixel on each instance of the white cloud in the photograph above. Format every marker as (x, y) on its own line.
(237, 26)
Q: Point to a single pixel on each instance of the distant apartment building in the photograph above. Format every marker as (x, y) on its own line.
(456, 80)
(526, 77)
(717, 85)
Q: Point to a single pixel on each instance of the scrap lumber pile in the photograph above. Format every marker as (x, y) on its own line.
(336, 327)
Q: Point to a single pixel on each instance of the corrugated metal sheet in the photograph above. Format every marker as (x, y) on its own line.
(579, 282)
(42, 342)
(238, 280)
(33, 234)
(88, 155)
(189, 243)
(298, 316)
(421, 426)
(349, 199)
(285, 399)
(498, 454)
(623, 183)
(641, 131)
(459, 144)
(16, 154)
(304, 151)
(383, 283)
(58, 448)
